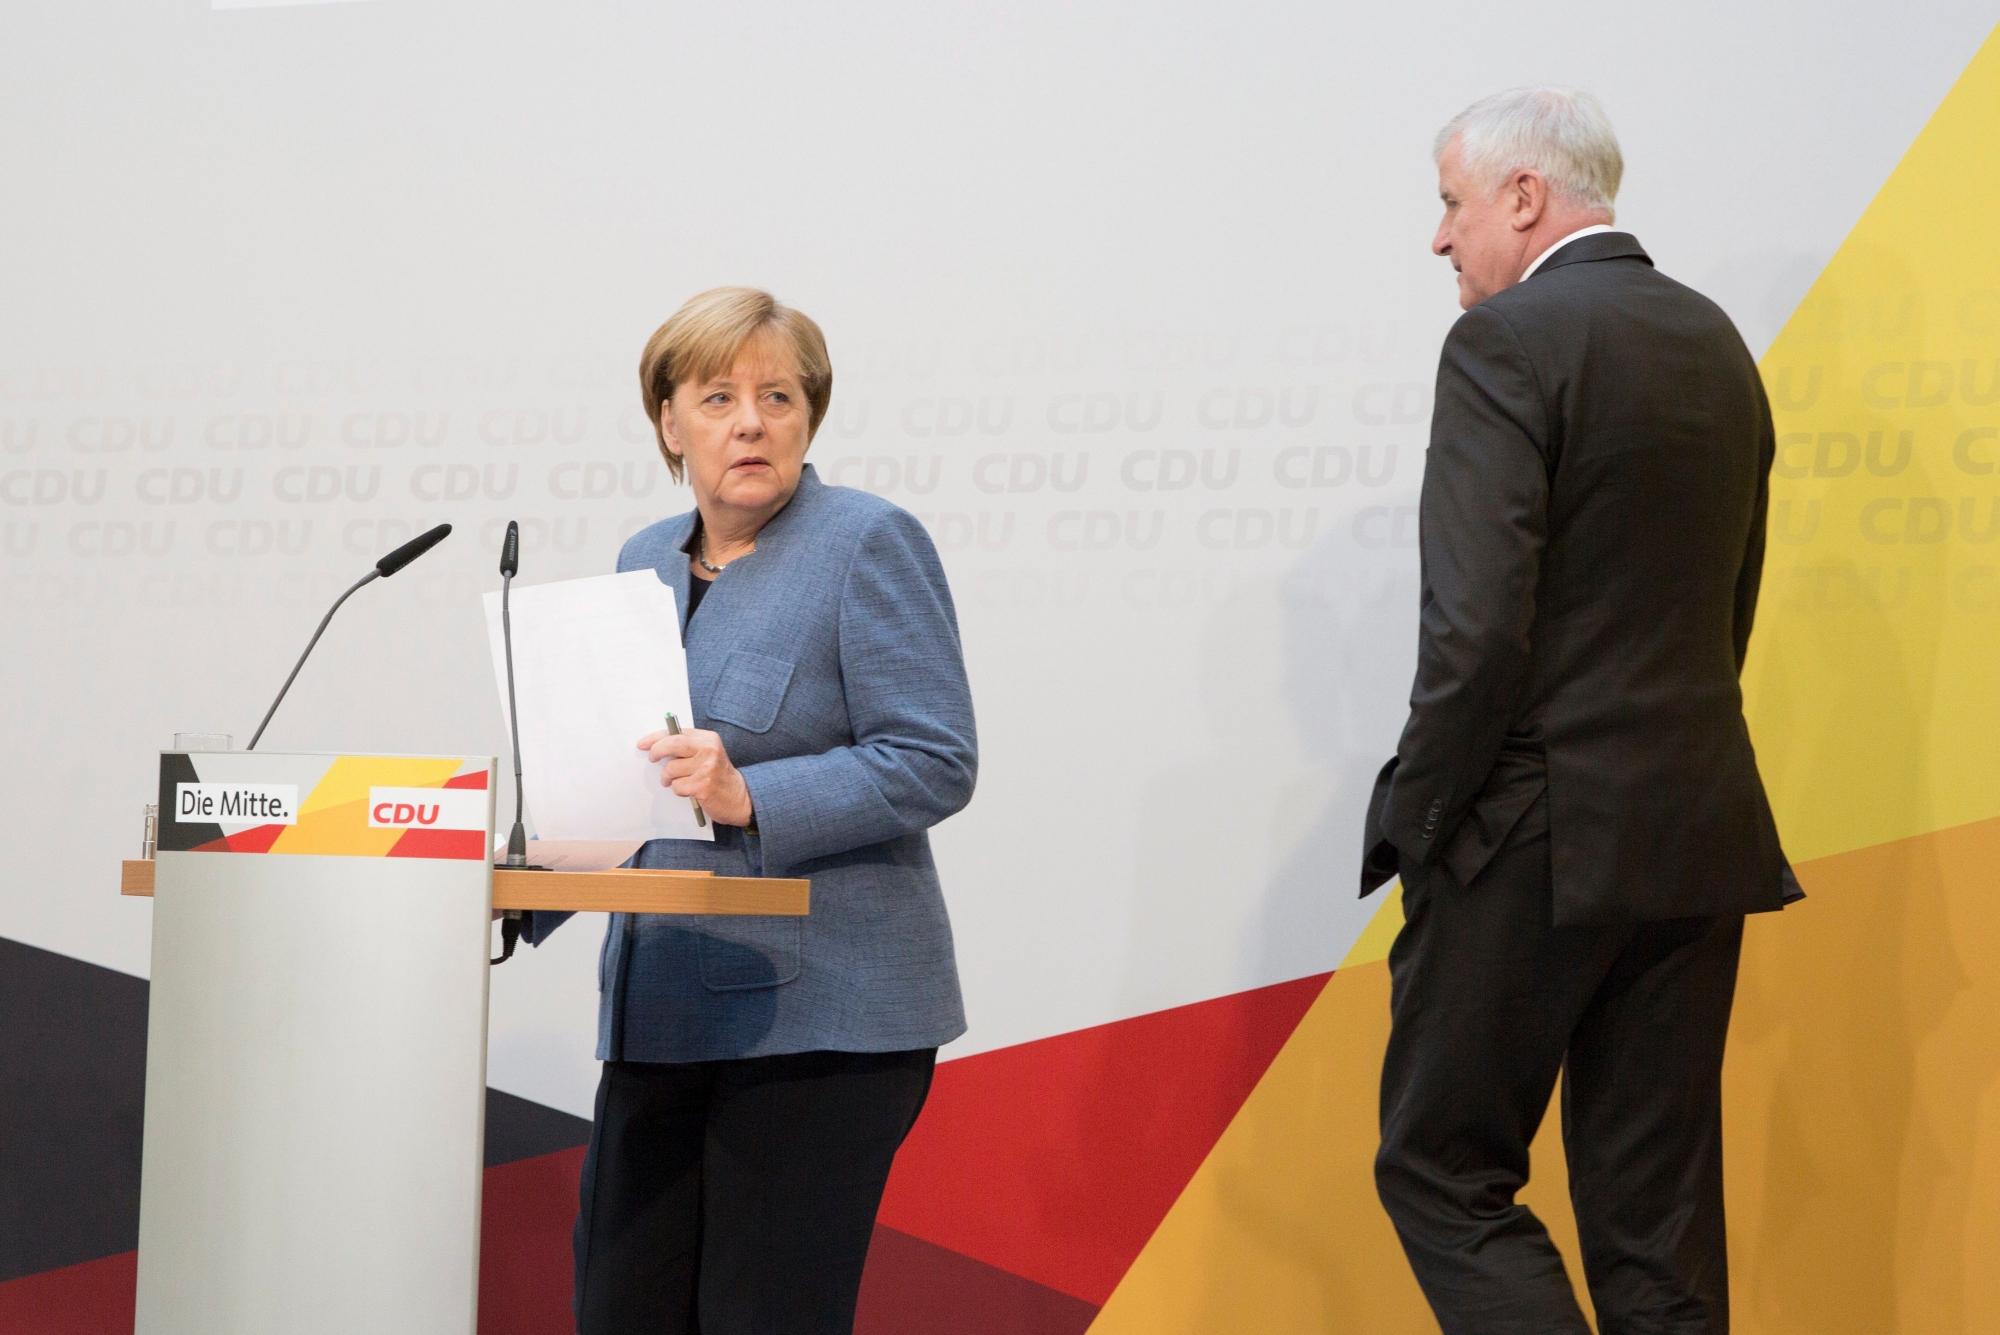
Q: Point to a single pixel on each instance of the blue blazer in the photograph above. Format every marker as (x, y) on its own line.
(829, 661)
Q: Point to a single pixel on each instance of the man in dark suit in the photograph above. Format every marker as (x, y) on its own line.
(1574, 806)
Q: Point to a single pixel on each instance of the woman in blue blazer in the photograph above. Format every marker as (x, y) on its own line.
(760, 1074)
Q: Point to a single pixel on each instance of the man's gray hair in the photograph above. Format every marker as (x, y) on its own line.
(1562, 133)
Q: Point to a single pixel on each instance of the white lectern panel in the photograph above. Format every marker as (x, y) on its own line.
(315, 1060)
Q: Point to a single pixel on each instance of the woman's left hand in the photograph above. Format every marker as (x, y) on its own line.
(698, 767)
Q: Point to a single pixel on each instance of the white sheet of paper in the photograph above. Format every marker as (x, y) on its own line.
(597, 664)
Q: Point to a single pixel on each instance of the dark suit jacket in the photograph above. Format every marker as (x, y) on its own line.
(1592, 533)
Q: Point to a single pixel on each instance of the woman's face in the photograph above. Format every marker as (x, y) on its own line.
(743, 434)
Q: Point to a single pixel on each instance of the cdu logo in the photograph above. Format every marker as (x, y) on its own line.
(427, 808)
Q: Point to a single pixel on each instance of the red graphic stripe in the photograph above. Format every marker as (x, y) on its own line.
(258, 840)
(474, 780)
(94, 1298)
(526, 1213)
(467, 845)
(1028, 1187)
(913, 1287)
(1057, 1159)
(525, 1262)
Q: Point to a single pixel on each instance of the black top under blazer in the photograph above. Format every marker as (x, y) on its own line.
(1592, 534)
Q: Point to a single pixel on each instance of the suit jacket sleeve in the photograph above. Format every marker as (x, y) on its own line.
(1483, 526)
(1751, 575)
(914, 757)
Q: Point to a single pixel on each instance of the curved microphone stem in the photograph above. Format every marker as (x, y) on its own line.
(373, 574)
(517, 841)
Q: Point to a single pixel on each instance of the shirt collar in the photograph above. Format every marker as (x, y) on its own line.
(1577, 235)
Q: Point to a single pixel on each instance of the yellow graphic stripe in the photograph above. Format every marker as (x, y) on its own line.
(1380, 933)
(1862, 1097)
(1863, 1153)
(1279, 1232)
(1871, 683)
(334, 817)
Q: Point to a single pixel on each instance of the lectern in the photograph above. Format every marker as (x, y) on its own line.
(316, 1045)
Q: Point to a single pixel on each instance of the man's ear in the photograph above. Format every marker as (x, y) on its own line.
(1529, 196)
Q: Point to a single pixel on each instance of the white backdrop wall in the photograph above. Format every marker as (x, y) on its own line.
(1132, 304)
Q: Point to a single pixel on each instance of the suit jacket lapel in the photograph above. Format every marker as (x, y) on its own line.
(674, 574)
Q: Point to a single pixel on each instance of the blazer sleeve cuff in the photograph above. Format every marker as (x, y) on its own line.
(537, 925)
(1379, 858)
(811, 806)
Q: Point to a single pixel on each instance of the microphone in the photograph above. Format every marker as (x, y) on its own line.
(510, 565)
(411, 550)
(384, 568)
(517, 838)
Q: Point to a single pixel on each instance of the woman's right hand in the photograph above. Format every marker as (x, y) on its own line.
(698, 766)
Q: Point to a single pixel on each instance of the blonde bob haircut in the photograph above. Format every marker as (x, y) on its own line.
(703, 339)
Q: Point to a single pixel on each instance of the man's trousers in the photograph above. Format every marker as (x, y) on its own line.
(1490, 1001)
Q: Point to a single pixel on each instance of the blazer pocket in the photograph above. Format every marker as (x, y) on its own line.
(750, 690)
(1518, 781)
(745, 955)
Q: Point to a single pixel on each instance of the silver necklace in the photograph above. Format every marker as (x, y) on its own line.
(701, 554)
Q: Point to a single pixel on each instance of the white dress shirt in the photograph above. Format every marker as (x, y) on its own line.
(1577, 235)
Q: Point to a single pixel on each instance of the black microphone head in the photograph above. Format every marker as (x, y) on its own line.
(411, 550)
(510, 550)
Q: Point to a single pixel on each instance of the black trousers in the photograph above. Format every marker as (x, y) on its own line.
(1490, 1001)
(737, 1197)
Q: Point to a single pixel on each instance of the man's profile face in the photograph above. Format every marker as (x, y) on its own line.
(1480, 232)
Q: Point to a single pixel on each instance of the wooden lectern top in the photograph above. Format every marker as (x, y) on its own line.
(626, 890)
